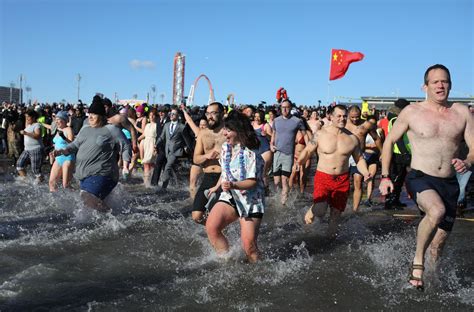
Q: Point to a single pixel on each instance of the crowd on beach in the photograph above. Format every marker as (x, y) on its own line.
(240, 154)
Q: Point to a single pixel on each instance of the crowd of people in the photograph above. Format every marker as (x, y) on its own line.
(235, 152)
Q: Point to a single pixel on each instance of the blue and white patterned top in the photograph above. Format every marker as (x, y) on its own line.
(239, 164)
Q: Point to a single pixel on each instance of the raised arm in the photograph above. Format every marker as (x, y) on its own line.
(190, 121)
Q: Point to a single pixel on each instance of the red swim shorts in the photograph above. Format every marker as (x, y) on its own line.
(333, 189)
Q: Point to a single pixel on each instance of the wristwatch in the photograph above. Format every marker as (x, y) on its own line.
(384, 176)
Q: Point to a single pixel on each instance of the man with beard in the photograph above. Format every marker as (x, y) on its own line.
(206, 154)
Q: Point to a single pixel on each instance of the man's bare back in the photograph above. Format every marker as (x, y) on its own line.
(435, 134)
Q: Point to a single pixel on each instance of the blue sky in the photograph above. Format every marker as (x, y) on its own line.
(248, 48)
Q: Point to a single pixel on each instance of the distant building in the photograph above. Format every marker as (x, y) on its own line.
(9, 94)
(381, 102)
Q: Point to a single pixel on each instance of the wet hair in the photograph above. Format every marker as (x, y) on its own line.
(261, 114)
(437, 66)
(153, 111)
(32, 113)
(238, 122)
(220, 107)
(354, 108)
(331, 109)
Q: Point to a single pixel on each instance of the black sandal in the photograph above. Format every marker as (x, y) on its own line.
(415, 278)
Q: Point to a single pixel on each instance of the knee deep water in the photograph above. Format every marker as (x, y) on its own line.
(148, 254)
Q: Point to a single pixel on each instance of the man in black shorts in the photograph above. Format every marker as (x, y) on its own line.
(206, 154)
(435, 128)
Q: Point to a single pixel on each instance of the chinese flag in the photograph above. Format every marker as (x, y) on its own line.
(340, 61)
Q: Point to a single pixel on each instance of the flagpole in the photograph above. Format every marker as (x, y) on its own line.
(329, 81)
(327, 97)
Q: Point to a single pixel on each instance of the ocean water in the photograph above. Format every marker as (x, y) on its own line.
(148, 255)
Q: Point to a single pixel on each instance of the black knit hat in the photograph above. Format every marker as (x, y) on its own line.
(97, 106)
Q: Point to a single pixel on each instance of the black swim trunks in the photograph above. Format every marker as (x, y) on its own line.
(447, 188)
(200, 200)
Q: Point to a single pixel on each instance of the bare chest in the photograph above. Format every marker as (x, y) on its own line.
(436, 126)
(212, 140)
(333, 144)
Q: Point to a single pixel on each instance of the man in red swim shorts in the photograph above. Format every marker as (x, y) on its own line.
(334, 145)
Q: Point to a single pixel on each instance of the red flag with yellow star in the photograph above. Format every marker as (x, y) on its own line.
(340, 61)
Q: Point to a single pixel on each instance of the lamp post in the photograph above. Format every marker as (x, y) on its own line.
(153, 92)
(21, 89)
(78, 86)
(162, 96)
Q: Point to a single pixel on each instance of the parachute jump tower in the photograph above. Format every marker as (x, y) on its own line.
(178, 78)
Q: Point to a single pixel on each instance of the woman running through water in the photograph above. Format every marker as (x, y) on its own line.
(62, 165)
(97, 147)
(149, 138)
(242, 189)
(264, 133)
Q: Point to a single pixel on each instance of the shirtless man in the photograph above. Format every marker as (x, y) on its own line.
(360, 128)
(314, 122)
(206, 154)
(435, 128)
(334, 145)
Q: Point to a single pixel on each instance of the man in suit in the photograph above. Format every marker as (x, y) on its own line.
(173, 140)
(160, 147)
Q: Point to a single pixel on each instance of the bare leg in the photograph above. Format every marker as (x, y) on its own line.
(93, 202)
(193, 177)
(220, 217)
(276, 181)
(316, 210)
(54, 176)
(249, 231)
(284, 189)
(437, 244)
(334, 222)
(370, 183)
(356, 196)
(68, 169)
(267, 158)
(429, 202)
(199, 217)
(293, 175)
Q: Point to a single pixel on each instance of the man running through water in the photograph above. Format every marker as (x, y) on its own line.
(435, 128)
(361, 128)
(334, 145)
(206, 154)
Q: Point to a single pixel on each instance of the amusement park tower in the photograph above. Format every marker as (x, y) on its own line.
(178, 78)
